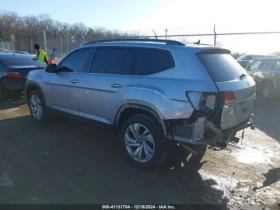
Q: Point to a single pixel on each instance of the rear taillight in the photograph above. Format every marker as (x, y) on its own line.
(12, 74)
(229, 97)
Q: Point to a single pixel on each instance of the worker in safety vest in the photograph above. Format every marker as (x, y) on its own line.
(41, 55)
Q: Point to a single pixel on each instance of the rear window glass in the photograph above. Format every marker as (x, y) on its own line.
(23, 60)
(221, 67)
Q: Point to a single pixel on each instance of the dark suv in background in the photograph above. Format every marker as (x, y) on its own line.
(266, 73)
(248, 59)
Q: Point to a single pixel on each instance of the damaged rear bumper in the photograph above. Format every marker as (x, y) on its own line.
(197, 130)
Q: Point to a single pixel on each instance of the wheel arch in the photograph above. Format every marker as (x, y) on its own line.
(130, 109)
(30, 87)
(272, 81)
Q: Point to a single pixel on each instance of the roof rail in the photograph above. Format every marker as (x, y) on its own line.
(168, 42)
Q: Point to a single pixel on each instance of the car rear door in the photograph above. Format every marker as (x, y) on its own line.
(236, 87)
(62, 88)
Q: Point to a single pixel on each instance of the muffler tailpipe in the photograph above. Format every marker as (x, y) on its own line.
(189, 149)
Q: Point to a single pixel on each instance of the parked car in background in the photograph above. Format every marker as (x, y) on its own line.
(266, 73)
(247, 60)
(13, 71)
(154, 93)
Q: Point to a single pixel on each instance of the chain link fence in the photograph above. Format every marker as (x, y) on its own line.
(63, 45)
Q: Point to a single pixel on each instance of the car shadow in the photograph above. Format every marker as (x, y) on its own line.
(267, 117)
(271, 177)
(14, 99)
(68, 161)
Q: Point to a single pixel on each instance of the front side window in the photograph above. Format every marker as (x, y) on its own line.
(151, 61)
(76, 61)
(113, 61)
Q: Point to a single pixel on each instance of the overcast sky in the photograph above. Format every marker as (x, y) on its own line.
(178, 16)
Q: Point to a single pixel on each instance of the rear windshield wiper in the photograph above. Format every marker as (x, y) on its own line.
(242, 76)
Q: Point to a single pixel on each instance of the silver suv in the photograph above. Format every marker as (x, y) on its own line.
(152, 92)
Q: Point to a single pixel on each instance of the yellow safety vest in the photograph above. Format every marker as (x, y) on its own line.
(41, 56)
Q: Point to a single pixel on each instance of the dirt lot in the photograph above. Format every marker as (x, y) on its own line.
(71, 162)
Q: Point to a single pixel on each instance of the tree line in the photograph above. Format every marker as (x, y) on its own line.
(29, 29)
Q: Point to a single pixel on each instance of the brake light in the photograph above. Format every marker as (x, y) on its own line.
(229, 97)
(12, 74)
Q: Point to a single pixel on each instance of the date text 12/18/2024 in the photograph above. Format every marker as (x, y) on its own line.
(138, 207)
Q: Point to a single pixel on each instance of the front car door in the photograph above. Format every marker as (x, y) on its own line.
(108, 79)
(62, 87)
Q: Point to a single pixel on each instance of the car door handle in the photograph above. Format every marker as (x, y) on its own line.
(116, 85)
(74, 81)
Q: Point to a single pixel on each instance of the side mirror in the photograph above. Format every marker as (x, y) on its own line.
(51, 68)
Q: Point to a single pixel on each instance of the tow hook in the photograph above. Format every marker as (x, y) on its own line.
(189, 149)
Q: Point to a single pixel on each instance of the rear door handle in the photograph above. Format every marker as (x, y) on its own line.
(116, 85)
(74, 81)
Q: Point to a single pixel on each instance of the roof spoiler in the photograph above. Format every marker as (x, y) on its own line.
(214, 51)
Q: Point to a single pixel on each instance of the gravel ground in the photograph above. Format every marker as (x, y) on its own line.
(69, 162)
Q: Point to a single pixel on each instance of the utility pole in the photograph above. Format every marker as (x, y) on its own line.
(3, 44)
(165, 33)
(13, 42)
(66, 44)
(215, 35)
(45, 41)
(61, 46)
(31, 46)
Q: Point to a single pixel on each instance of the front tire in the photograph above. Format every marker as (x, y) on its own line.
(143, 141)
(37, 106)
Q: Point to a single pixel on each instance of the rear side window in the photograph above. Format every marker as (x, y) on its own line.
(21, 60)
(276, 66)
(221, 67)
(113, 61)
(151, 61)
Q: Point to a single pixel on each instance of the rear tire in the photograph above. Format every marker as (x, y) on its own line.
(143, 141)
(37, 106)
(267, 91)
